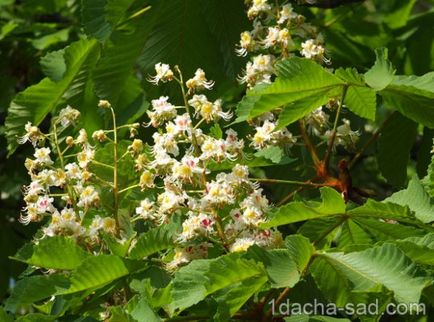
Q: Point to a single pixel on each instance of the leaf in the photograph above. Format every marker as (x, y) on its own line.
(97, 271)
(139, 309)
(332, 204)
(38, 100)
(419, 249)
(416, 198)
(295, 111)
(370, 269)
(413, 97)
(297, 79)
(200, 278)
(153, 241)
(53, 253)
(272, 153)
(300, 250)
(382, 73)
(34, 288)
(53, 65)
(358, 98)
(362, 101)
(384, 210)
(395, 12)
(230, 300)
(428, 181)
(100, 17)
(393, 158)
(281, 269)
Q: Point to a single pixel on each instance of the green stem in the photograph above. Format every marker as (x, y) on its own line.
(115, 169)
(301, 183)
(335, 125)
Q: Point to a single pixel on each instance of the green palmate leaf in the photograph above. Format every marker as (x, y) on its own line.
(332, 204)
(281, 269)
(297, 79)
(100, 17)
(362, 101)
(36, 317)
(272, 153)
(384, 210)
(292, 111)
(34, 288)
(393, 158)
(396, 13)
(118, 60)
(352, 234)
(54, 253)
(139, 309)
(153, 241)
(98, 271)
(370, 270)
(382, 73)
(412, 96)
(230, 300)
(185, 36)
(200, 278)
(417, 199)
(300, 250)
(38, 100)
(419, 249)
(359, 99)
(53, 65)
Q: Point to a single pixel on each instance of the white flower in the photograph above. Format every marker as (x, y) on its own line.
(82, 137)
(42, 156)
(185, 255)
(207, 110)
(272, 37)
(318, 121)
(68, 116)
(246, 44)
(146, 179)
(199, 82)
(252, 217)
(344, 135)
(163, 74)
(162, 111)
(187, 168)
(145, 210)
(73, 171)
(85, 157)
(88, 197)
(33, 134)
(257, 7)
(286, 14)
(311, 50)
(44, 205)
(242, 244)
(194, 225)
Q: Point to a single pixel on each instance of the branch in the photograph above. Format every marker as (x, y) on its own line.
(328, 4)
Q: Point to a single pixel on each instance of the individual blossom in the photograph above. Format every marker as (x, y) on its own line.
(317, 121)
(242, 244)
(286, 14)
(257, 7)
(104, 104)
(195, 225)
(199, 82)
(163, 74)
(345, 136)
(85, 156)
(185, 255)
(136, 147)
(89, 197)
(42, 156)
(146, 209)
(259, 71)
(187, 169)
(312, 50)
(73, 171)
(33, 135)
(146, 179)
(68, 116)
(99, 135)
(162, 111)
(82, 137)
(207, 110)
(246, 44)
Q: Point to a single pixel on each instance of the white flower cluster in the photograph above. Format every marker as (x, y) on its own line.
(181, 157)
(274, 30)
(68, 182)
